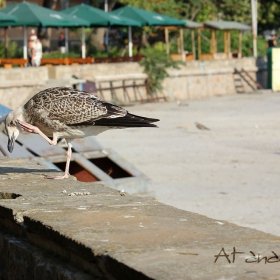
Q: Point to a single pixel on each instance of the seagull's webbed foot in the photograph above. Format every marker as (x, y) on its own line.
(65, 176)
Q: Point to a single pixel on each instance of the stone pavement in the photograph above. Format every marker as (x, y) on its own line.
(72, 230)
(229, 172)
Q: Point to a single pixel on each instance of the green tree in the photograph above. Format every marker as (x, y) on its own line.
(2, 4)
(171, 8)
(203, 10)
(236, 10)
(155, 66)
(268, 14)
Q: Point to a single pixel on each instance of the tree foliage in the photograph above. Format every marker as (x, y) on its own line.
(203, 10)
(172, 8)
(268, 14)
(155, 64)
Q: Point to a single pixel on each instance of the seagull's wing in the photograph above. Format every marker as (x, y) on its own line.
(73, 107)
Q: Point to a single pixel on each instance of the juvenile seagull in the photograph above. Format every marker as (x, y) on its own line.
(68, 113)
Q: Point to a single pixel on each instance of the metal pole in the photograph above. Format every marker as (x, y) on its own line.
(130, 41)
(6, 41)
(24, 42)
(107, 29)
(254, 9)
(66, 40)
(83, 43)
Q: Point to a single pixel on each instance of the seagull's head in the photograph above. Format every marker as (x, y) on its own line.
(12, 128)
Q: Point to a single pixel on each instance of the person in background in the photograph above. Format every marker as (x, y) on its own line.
(34, 51)
(33, 35)
(38, 52)
(30, 47)
(31, 52)
(271, 43)
(62, 42)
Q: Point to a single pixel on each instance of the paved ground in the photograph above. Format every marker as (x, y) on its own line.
(230, 172)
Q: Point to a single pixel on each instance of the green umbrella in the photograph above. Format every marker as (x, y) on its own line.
(147, 18)
(29, 14)
(7, 18)
(98, 18)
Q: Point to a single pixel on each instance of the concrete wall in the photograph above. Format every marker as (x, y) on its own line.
(17, 85)
(207, 78)
(195, 79)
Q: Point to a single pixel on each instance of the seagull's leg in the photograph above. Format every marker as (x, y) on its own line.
(66, 173)
(34, 129)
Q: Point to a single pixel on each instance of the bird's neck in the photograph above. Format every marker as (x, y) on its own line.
(19, 114)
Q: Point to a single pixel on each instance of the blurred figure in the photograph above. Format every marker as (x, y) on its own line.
(38, 52)
(34, 51)
(31, 52)
(271, 43)
(33, 35)
(62, 42)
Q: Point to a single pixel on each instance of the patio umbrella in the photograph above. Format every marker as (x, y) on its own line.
(7, 18)
(147, 18)
(98, 18)
(29, 14)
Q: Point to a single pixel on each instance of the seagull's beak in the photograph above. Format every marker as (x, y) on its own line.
(11, 143)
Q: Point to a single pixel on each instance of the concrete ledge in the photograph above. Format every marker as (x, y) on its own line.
(214, 71)
(88, 231)
(108, 78)
(22, 83)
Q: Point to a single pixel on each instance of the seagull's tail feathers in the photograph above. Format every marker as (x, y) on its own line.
(129, 120)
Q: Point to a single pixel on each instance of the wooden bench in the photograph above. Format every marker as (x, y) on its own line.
(79, 60)
(55, 61)
(66, 61)
(10, 62)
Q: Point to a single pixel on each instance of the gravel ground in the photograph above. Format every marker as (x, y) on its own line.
(230, 172)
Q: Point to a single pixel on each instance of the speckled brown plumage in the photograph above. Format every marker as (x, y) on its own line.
(60, 109)
(57, 107)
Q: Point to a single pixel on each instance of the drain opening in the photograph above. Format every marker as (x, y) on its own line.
(110, 168)
(105, 164)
